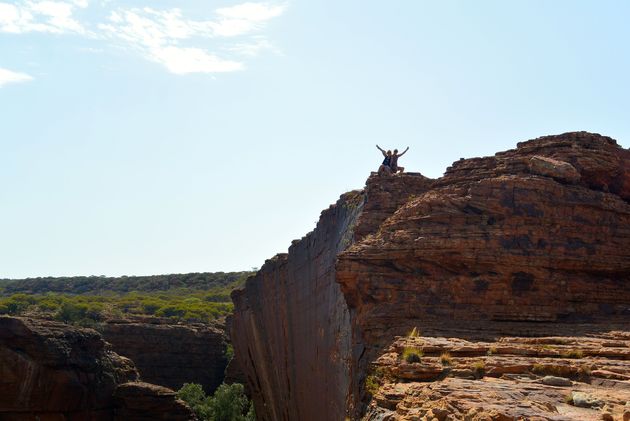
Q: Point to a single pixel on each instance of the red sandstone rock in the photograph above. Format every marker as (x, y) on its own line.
(47, 367)
(140, 401)
(533, 241)
(559, 170)
(52, 371)
(171, 354)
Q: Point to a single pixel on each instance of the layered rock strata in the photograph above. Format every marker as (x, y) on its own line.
(171, 354)
(532, 241)
(512, 378)
(52, 371)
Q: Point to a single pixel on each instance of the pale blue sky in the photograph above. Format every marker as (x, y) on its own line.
(137, 138)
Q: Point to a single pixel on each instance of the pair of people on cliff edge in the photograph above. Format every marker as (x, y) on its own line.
(390, 163)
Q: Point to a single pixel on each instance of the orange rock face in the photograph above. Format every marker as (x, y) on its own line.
(512, 378)
(534, 241)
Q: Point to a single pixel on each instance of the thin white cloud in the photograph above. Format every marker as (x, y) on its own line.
(54, 17)
(253, 47)
(167, 37)
(158, 35)
(255, 12)
(8, 76)
(193, 60)
(244, 18)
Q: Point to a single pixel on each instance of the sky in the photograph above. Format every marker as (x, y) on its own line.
(149, 137)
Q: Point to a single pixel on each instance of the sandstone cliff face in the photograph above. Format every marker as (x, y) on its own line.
(169, 354)
(493, 241)
(532, 241)
(52, 371)
(292, 331)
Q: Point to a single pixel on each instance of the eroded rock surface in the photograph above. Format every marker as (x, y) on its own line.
(533, 241)
(141, 401)
(171, 354)
(47, 367)
(513, 378)
(52, 371)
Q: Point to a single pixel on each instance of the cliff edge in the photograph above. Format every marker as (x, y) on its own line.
(531, 242)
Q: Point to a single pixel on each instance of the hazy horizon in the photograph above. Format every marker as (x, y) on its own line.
(147, 138)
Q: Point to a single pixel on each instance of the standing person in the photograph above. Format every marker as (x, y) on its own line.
(393, 163)
(385, 167)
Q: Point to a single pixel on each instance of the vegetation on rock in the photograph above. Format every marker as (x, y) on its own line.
(412, 355)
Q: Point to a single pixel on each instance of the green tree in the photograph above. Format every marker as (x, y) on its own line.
(229, 403)
(195, 397)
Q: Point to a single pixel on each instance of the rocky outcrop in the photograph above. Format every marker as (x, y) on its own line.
(171, 354)
(493, 242)
(512, 378)
(50, 370)
(48, 367)
(532, 241)
(139, 401)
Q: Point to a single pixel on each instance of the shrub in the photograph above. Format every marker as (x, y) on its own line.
(445, 358)
(16, 304)
(479, 369)
(229, 352)
(150, 307)
(573, 353)
(170, 311)
(584, 370)
(71, 313)
(94, 311)
(372, 384)
(412, 355)
(415, 333)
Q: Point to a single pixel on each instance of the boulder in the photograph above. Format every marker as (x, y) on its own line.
(556, 381)
(141, 401)
(559, 170)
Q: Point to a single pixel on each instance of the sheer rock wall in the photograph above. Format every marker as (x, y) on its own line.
(169, 354)
(531, 241)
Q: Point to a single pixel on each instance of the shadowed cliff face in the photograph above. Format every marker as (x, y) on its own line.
(171, 355)
(292, 330)
(525, 242)
(50, 370)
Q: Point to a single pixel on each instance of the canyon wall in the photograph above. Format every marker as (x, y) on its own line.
(53, 371)
(171, 354)
(533, 241)
(292, 330)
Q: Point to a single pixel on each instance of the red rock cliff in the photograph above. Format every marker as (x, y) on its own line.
(292, 331)
(169, 354)
(52, 371)
(531, 241)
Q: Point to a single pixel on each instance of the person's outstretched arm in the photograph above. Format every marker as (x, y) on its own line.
(382, 151)
(405, 151)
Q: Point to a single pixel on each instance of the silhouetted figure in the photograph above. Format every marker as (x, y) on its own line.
(385, 167)
(390, 163)
(393, 164)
